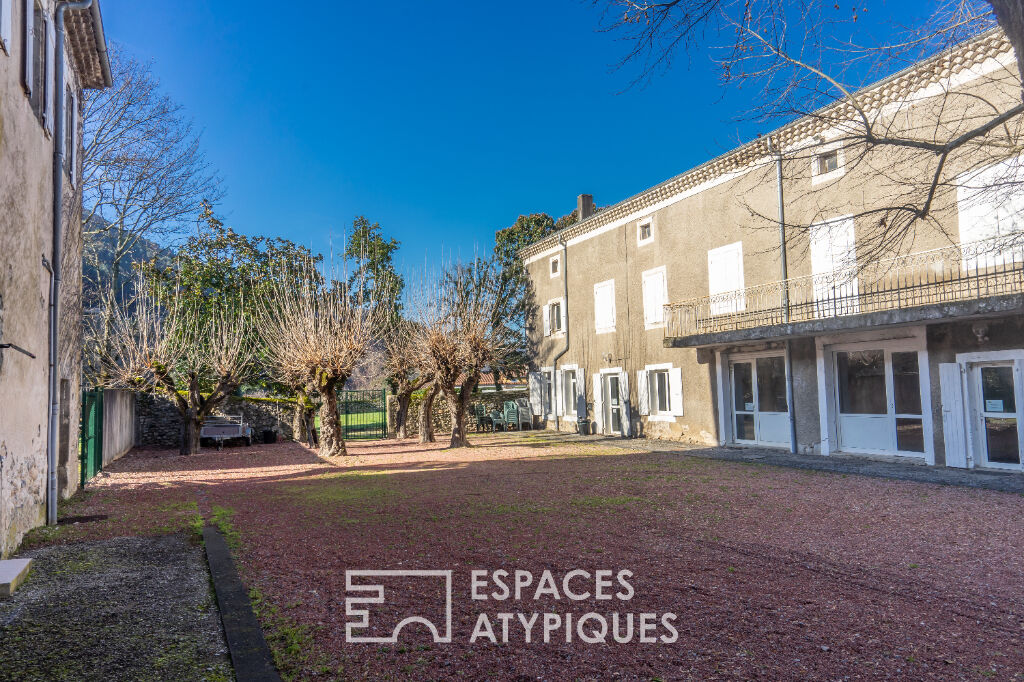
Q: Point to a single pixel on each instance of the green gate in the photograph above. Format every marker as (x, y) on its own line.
(90, 447)
(363, 414)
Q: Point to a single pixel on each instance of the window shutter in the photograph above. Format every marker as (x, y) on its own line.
(675, 387)
(547, 319)
(29, 8)
(643, 392)
(536, 393)
(73, 136)
(598, 404)
(953, 413)
(627, 417)
(559, 391)
(5, 24)
(50, 84)
(725, 274)
(564, 313)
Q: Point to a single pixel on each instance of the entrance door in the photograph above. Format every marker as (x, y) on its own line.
(612, 404)
(879, 402)
(998, 385)
(760, 410)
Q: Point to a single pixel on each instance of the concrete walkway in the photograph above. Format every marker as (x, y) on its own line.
(878, 467)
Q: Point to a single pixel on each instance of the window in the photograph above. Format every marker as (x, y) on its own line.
(69, 132)
(645, 231)
(548, 389)
(5, 25)
(36, 61)
(604, 306)
(828, 162)
(556, 266)
(570, 391)
(661, 397)
(655, 297)
(725, 279)
(990, 211)
(555, 316)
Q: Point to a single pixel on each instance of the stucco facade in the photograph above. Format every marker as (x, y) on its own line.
(26, 247)
(676, 235)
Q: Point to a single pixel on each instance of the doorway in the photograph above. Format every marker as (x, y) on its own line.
(760, 412)
(998, 413)
(613, 417)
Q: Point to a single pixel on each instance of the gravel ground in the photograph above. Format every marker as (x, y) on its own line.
(773, 573)
(120, 609)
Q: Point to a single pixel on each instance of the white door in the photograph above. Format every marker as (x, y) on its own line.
(879, 399)
(613, 404)
(998, 387)
(760, 409)
(834, 267)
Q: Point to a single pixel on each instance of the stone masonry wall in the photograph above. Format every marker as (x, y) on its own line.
(158, 424)
(441, 415)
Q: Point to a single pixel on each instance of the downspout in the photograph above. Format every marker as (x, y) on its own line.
(58, 238)
(565, 314)
(785, 296)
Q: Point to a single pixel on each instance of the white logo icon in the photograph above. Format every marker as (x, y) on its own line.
(376, 596)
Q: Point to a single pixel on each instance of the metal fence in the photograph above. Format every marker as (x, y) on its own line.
(981, 269)
(363, 414)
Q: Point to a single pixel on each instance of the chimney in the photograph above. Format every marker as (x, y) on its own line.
(585, 206)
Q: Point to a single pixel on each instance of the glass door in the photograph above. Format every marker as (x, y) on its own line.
(999, 415)
(613, 405)
(760, 410)
(879, 398)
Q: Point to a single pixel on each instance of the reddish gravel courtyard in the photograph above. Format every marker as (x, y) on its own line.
(772, 573)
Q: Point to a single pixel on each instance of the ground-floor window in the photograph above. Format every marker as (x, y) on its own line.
(758, 409)
(661, 396)
(570, 391)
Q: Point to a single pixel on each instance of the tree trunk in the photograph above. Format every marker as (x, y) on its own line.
(332, 444)
(1010, 15)
(402, 418)
(191, 426)
(458, 410)
(427, 415)
(299, 417)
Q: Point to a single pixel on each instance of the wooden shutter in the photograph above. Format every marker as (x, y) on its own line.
(536, 397)
(653, 285)
(604, 306)
(626, 402)
(675, 387)
(643, 392)
(49, 84)
(5, 24)
(546, 314)
(29, 8)
(563, 314)
(725, 274)
(953, 414)
(598, 404)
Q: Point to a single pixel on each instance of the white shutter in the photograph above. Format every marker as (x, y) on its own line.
(5, 24)
(675, 387)
(604, 306)
(73, 136)
(598, 404)
(28, 8)
(725, 274)
(51, 47)
(654, 295)
(564, 314)
(536, 393)
(547, 320)
(953, 414)
(627, 418)
(643, 392)
(559, 391)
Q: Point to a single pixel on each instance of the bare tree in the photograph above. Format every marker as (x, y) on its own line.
(316, 331)
(143, 170)
(158, 344)
(427, 413)
(402, 371)
(913, 139)
(460, 332)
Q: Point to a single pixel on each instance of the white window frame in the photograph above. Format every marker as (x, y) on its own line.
(555, 261)
(607, 285)
(6, 25)
(738, 304)
(675, 392)
(817, 177)
(649, 221)
(562, 317)
(570, 377)
(645, 277)
(547, 395)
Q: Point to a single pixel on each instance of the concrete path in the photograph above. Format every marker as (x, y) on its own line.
(878, 467)
(121, 609)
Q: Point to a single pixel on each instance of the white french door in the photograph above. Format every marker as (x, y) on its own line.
(999, 404)
(760, 412)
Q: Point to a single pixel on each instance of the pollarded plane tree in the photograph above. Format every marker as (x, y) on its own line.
(160, 344)
(459, 333)
(402, 370)
(316, 330)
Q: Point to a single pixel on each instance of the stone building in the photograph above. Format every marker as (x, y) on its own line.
(39, 154)
(673, 313)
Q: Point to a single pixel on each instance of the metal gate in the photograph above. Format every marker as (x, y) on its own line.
(90, 447)
(363, 414)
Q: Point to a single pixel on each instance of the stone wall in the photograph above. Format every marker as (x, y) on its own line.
(158, 424)
(441, 415)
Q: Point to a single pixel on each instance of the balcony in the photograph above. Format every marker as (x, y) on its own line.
(982, 277)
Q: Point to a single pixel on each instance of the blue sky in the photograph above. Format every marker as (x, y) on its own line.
(441, 121)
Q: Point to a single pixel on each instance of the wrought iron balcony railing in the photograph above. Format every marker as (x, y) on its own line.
(981, 269)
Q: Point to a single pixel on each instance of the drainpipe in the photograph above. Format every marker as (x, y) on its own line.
(58, 237)
(565, 313)
(785, 295)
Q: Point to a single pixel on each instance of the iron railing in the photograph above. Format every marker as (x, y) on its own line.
(981, 269)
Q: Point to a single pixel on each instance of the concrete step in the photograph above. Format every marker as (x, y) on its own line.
(12, 574)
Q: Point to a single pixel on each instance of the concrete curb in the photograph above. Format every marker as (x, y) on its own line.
(250, 654)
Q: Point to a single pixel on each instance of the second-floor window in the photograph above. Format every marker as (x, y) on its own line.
(725, 279)
(36, 60)
(556, 266)
(555, 316)
(645, 231)
(655, 297)
(828, 162)
(604, 306)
